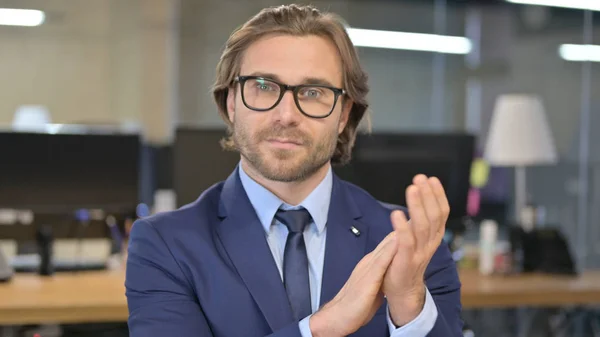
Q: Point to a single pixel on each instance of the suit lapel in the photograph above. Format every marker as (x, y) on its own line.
(244, 240)
(343, 248)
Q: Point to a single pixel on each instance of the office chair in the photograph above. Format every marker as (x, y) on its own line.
(577, 321)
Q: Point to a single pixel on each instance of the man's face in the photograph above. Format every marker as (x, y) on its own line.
(282, 144)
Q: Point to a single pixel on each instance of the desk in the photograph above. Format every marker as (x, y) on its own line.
(99, 296)
(534, 290)
(64, 297)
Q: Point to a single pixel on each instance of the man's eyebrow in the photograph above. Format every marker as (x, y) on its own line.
(266, 75)
(318, 81)
(306, 80)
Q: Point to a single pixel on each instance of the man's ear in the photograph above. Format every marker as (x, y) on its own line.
(231, 104)
(346, 108)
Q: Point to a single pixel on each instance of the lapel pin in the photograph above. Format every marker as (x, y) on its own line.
(355, 231)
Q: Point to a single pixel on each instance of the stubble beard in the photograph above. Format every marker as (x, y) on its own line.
(283, 165)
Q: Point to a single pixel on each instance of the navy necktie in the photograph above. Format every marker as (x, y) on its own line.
(295, 261)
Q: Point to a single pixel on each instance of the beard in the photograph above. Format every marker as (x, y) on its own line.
(284, 165)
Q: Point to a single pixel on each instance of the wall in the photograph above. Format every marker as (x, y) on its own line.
(64, 64)
(95, 62)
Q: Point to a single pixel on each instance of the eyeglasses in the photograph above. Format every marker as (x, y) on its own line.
(313, 100)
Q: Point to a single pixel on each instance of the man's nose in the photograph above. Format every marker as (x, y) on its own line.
(287, 111)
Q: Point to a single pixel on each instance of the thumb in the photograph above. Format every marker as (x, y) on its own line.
(398, 220)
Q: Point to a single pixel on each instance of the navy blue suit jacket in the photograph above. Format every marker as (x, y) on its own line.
(206, 268)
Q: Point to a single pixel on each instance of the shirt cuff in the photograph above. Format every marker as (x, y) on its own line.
(305, 327)
(421, 325)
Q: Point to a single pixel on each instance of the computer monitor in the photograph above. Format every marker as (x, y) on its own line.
(384, 164)
(199, 161)
(59, 173)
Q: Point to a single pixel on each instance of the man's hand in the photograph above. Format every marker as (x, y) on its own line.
(418, 239)
(358, 300)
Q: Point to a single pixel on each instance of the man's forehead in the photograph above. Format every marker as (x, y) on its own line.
(293, 60)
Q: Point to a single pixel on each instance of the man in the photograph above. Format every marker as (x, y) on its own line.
(283, 247)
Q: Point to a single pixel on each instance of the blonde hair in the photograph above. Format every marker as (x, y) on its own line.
(296, 20)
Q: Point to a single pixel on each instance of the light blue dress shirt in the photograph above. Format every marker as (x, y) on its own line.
(266, 205)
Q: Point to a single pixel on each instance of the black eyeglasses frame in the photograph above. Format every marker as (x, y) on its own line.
(283, 88)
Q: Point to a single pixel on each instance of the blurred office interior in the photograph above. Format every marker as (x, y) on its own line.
(106, 116)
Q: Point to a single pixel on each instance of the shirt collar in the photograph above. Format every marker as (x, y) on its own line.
(266, 204)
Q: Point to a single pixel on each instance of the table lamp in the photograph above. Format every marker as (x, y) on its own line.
(519, 136)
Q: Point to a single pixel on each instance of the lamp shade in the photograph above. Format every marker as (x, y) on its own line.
(519, 134)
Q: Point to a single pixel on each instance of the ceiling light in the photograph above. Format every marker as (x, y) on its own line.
(580, 52)
(21, 17)
(409, 41)
(592, 5)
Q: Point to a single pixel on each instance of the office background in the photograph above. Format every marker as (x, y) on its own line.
(147, 66)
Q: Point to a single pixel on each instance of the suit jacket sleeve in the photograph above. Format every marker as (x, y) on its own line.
(444, 285)
(160, 298)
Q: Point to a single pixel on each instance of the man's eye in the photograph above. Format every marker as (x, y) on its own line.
(264, 86)
(311, 93)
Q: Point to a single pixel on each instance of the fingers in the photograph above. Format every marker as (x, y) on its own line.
(432, 209)
(390, 239)
(440, 195)
(387, 245)
(418, 215)
(383, 254)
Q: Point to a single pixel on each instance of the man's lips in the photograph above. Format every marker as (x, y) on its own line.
(285, 143)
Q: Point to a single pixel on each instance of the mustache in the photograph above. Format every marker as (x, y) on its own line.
(279, 131)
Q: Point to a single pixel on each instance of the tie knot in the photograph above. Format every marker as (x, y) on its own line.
(295, 220)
